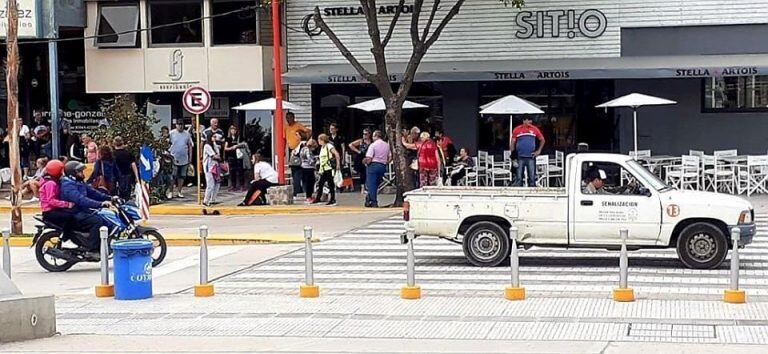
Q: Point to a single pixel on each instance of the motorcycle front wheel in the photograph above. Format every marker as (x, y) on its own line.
(161, 247)
(46, 242)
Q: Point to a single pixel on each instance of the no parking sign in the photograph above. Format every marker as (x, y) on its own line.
(196, 100)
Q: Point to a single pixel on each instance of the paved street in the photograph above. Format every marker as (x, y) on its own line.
(360, 273)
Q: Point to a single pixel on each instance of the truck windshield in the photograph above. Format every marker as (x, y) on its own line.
(646, 175)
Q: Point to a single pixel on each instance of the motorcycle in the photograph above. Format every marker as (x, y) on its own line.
(57, 249)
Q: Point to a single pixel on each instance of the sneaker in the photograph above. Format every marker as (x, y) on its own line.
(179, 195)
(242, 204)
(316, 201)
(309, 201)
(169, 195)
(92, 256)
(331, 203)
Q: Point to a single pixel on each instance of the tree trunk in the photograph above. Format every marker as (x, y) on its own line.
(12, 74)
(403, 180)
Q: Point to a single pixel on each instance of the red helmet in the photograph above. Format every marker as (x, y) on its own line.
(54, 168)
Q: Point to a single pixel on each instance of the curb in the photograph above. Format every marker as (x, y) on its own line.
(193, 240)
(194, 210)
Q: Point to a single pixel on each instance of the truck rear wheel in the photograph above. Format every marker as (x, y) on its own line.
(486, 244)
(702, 246)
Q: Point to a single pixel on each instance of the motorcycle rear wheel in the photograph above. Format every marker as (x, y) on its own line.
(49, 262)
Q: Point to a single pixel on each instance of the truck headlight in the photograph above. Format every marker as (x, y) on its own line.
(745, 217)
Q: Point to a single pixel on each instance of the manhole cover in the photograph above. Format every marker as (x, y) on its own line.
(657, 330)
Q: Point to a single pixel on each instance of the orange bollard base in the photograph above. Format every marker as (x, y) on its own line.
(514, 294)
(309, 291)
(105, 290)
(410, 292)
(734, 296)
(623, 295)
(204, 290)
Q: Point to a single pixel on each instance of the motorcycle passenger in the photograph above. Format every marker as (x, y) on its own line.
(85, 198)
(55, 210)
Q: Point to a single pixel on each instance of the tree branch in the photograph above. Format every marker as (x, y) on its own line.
(415, 22)
(392, 25)
(451, 14)
(432, 14)
(340, 46)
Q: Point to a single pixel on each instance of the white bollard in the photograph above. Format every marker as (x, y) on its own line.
(623, 293)
(7, 252)
(309, 289)
(204, 289)
(411, 291)
(514, 291)
(104, 289)
(734, 295)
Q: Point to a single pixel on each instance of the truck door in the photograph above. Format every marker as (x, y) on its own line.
(611, 198)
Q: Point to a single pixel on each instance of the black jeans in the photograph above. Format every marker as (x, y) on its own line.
(87, 222)
(458, 176)
(296, 178)
(236, 174)
(326, 178)
(125, 184)
(58, 217)
(261, 185)
(308, 178)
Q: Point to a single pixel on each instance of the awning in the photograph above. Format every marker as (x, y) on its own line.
(549, 69)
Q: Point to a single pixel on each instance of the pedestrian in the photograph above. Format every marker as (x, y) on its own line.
(32, 186)
(337, 140)
(211, 159)
(126, 168)
(308, 164)
(91, 148)
(232, 144)
(264, 176)
(75, 150)
(428, 157)
(105, 173)
(330, 162)
(377, 157)
(181, 150)
(359, 147)
(25, 147)
(446, 145)
(462, 164)
(523, 140)
(411, 156)
(295, 133)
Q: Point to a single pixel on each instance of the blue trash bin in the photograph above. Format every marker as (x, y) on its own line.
(133, 269)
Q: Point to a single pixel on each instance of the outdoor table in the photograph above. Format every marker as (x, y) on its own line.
(654, 162)
(734, 160)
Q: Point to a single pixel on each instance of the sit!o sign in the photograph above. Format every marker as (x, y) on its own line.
(196, 100)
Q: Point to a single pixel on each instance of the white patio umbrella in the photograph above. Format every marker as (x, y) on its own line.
(511, 105)
(269, 104)
(378, 105)
(635, 100)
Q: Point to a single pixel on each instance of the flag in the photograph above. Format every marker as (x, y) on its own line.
(142, 199)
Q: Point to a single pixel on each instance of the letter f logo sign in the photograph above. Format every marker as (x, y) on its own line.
(176, 70)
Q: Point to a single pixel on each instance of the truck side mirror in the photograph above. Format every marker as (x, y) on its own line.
(646, 192)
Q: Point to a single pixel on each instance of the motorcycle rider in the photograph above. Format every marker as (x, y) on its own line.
(55, 210)
(85, 198)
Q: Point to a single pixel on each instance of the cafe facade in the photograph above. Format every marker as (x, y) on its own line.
(567, 57)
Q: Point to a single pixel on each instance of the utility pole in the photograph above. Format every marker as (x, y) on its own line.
(12, 75)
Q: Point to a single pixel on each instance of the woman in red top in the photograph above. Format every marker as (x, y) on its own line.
(429, 159)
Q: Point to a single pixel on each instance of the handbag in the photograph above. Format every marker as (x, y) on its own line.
(294, 159)
(101, 181)
(224, 168)
(190, 170)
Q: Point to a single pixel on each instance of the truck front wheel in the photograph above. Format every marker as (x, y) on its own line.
(702, 246)
(486, 244)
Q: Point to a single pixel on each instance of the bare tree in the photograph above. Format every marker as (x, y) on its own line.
(394, 97)
(12, 74)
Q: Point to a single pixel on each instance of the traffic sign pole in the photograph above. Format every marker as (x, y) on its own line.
(279, 132)
(199, 161)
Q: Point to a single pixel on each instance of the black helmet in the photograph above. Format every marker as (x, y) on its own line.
(73, 167)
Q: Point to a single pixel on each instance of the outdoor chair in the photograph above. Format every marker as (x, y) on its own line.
(389, 178)
(686, 175)
(498, 171)
(480, 166)
(557, 169)
(542, 171)
(718, 175)
(753, 177)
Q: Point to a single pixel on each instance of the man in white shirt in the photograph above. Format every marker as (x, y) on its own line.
(264, 176)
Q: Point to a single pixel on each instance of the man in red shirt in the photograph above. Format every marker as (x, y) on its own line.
(523, 140)
(446, 145)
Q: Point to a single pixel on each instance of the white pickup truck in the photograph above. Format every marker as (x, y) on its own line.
(587, 213)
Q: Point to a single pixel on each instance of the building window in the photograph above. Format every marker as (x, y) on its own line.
(234, 22)
(736, 93)
(118, 26)
(176, 22)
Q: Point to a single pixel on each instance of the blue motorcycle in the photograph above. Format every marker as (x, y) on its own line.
(57, 248)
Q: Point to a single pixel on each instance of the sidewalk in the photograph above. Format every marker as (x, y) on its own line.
(348, 202)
